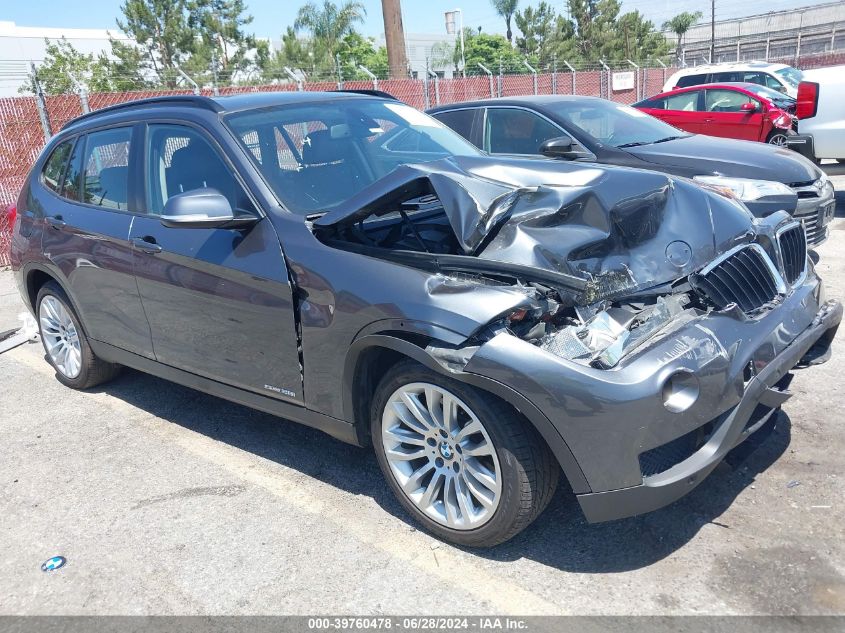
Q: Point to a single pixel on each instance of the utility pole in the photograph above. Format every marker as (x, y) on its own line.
(712, 30)
(394, 35)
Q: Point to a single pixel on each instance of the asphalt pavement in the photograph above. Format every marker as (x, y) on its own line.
(164, 500)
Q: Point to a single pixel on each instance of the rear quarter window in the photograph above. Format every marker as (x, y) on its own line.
(54, 168)
(653, 104)
(691, 80)
(458, 120)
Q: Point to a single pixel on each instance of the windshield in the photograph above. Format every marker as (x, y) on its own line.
(613, 124)
(790, 75)
(315, 156)
(778, 98)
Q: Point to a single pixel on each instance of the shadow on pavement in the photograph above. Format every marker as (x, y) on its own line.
(560, 538)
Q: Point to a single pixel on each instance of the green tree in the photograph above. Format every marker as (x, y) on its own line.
(638, 39)
(160, 27)
(537, 27)
(506, 9)
(221, 37)
(122, 71)
(562, 43)
(679, 25)
(481, 48)
(295, 53)
(594, 23)
(328, 25)
(63, 70)
(356, 50)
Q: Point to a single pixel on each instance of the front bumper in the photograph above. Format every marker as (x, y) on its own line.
(731, 429)
(815, 213)
(609, 419)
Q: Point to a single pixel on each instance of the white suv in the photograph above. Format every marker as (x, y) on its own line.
(778, 77)
(821, 116)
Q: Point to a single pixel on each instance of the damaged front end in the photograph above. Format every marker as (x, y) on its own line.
(654, 314)
(609, 258)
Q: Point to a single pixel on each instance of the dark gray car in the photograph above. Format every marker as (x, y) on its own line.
(765, 178)
(349, 263)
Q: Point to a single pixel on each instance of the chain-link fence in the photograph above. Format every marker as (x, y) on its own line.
(27, 122)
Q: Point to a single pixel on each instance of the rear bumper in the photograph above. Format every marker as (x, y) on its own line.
(731, 429)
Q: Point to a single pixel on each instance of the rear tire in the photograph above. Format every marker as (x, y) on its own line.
(65, 343)
(479, 486)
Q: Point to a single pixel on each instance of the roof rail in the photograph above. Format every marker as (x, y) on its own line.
(197, 101)
(369, 93)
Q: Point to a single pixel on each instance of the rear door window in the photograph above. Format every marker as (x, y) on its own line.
(106, 168)
(684, 102)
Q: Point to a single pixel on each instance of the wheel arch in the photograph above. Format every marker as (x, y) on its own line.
(370, 356)
(35, 277)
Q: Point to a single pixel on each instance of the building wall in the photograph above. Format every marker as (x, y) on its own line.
(419, 49)
(20, 45)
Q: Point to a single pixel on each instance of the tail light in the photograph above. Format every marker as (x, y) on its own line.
(808, 100)
(11, 214)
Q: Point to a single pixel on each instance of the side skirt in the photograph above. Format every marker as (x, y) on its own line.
(339, 429)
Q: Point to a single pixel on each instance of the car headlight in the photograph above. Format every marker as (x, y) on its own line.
(825, 186)
(744, 189)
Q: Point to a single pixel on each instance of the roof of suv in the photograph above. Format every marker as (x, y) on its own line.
(528, 100)
(713, 68)
(230, 103)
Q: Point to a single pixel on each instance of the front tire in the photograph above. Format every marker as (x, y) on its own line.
(65, 342)
(465, 465)
(779, 137)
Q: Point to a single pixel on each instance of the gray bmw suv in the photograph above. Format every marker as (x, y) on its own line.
(485, 323)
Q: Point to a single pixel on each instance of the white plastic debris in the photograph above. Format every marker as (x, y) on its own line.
(28, 331)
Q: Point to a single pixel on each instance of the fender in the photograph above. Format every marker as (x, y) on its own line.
(540, 422)
(55, 273)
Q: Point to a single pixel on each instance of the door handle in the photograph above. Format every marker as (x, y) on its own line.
(57, 222)
(146, 244)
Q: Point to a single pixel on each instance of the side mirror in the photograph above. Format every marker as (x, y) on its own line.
(748, 106)
(201, 208)
(560, 147)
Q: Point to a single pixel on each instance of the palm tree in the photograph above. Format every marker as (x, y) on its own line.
(506, 9)
(330, 23)
(679, 25)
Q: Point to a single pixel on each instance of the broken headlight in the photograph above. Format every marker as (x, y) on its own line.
(603, 339)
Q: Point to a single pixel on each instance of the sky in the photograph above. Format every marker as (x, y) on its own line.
(420, 16)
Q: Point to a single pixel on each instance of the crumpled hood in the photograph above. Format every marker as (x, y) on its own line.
(728, 157)
(617, 228)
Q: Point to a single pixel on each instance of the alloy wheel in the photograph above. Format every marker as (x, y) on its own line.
(441, 456)
(778, 139)
(61, 340)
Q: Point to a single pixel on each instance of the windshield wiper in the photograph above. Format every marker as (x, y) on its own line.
(634, 144)
(638, 143)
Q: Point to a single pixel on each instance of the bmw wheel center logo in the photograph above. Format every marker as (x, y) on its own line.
(52, 564)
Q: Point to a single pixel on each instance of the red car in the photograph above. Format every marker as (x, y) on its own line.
(742, 111)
